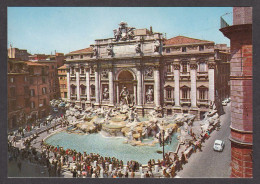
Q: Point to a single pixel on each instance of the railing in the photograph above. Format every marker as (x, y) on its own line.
(203, 102)
(226, 20)
(83, 96)
(202, 74)
(185, 100)
(73, 95)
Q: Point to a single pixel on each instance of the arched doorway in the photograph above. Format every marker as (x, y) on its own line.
(126, 79)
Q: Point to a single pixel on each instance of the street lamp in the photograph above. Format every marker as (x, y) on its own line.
(163, 132)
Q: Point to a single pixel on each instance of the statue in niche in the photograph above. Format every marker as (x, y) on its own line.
(149, 72)
(105, 94)
(149, 94)
(138, 48)
(124, 96)
(156, 46)
(110, 50)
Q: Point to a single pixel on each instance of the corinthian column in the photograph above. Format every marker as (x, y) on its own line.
(177, 84)
(111, 87)
(193, 75)
(68, 83)
(97, 87)
(157, 86)
(139, 87)
(211, 73)
(87, 85)
(77, 83)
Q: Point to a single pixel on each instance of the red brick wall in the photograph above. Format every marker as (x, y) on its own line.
(241, 104)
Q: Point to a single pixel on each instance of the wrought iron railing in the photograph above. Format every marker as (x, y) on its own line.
(226, 20)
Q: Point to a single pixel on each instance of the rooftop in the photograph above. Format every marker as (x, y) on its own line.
(86, 50)
(180, 40)
(62, 67)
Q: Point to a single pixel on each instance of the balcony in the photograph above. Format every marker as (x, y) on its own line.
(184, 101)
(73, 96)
(82, 77)
(185, 75)
(203, 102)
(202, 75)
(83, 96)
(169, 102)
(73, 78)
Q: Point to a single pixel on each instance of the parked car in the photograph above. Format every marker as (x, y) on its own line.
(224, 103)
(218, 145)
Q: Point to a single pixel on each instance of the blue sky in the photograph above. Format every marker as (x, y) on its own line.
(65, 29)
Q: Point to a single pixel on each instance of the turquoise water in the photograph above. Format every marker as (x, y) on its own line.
(110, 146)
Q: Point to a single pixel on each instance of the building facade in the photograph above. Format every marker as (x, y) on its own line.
(141, 68)
(240, 35)
(27, 92)
(15, 53)
(17, 93)
(62, 75)
(193, 69)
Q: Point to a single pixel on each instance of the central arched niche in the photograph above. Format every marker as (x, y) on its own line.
(126, 79)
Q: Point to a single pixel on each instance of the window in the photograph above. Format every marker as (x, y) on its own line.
(72, 71)
(71, 57)
(73, 90)
(203, 94)
(43, 71)
(52, 66)
(185, 93)
(202, 67)
(13, 104)
(25, 79)
(93, 90)
(169, 93)
(27, 102)
(26, 90)
(31, 80)
(169, 68)
(12, 80)
(83, 90)
(12, 91)
(81, 56)
(183, 49)
(32, 105)
(43, 80)
(168, 50)
(201, 48)
(44, 101)
(65, 95)
(44, 90)
(31, 72)
(184, 67)
(32, 92)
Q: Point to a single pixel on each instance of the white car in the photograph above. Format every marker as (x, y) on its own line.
(218, 145)
(224, 103)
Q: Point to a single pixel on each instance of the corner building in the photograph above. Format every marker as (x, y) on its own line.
(241, 135)
(140, 67)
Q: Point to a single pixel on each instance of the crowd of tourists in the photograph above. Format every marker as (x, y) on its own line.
(77, 164)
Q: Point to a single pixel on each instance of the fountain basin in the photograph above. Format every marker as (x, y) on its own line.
(110, 146)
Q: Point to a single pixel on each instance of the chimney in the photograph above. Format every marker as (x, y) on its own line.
(151, 30)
